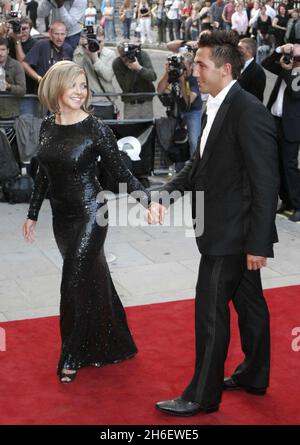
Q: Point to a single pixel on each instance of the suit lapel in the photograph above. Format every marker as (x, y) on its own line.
(196, 158)
(212, 140)
(274, 93)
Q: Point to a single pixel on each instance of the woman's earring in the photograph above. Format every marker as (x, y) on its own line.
(57, 110)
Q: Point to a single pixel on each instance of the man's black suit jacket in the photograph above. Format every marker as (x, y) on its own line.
(253, 80)
(238, 173)
(291, 98)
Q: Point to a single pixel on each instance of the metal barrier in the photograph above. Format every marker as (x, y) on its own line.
(142, 129)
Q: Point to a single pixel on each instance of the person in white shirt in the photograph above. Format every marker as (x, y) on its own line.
(235, 168)
(70, 12)
(271, 12)
(239, 20)
(144, 14)
(173, 15)
(90, 15)
(284, 104)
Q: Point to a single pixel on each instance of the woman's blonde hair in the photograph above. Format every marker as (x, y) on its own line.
(57, 79)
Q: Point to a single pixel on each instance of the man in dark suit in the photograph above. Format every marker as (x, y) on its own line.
(252, 77)
(284, 104)
(236, 167)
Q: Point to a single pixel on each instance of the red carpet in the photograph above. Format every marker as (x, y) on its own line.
(125, 393)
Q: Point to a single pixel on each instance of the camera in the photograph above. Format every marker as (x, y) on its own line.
(287, 58)
(187, 49)
(131, 51)
(15, 24)
(176, 68)
(92, 42)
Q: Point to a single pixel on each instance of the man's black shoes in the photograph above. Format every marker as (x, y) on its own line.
(180, 407)
(230, 385)
(295, 217)
(283, 208)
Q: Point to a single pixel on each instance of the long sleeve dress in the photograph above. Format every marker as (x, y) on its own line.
(93, 323)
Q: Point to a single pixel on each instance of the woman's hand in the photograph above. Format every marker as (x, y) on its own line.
(29, 230)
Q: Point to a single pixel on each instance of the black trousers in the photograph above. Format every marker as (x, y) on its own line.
(221, 279)
(289, 171)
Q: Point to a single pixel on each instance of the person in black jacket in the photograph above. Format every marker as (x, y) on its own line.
(252, 77)
(135, 74)
(236, 167)
(284, 104)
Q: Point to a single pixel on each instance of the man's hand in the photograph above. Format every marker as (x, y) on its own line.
(156, 213)
(134, 66)
(14, 36)
(256, 262)
(287, 48)
(286, 66)
(59, 3)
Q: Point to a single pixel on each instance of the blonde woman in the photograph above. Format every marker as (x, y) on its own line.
(94, 330)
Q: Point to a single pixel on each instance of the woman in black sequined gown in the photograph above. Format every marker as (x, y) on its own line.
(93, 324)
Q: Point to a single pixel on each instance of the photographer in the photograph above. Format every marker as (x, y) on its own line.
(70, 12)
(185, 97)
(14, 82)
(96, 60)
(20, 43)
(284, 104)
(135, 74)
(46, 52)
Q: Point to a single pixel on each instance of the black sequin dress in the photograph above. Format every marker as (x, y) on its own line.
(93, 323)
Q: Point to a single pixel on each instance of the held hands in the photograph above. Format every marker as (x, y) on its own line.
(29, 230)
(256, 262)
(155, 213)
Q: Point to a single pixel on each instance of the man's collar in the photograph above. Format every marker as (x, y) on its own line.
(247, 63)
(218, 99)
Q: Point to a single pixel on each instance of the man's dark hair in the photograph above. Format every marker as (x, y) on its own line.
(4, 42)
(224, 49)
(250, 43)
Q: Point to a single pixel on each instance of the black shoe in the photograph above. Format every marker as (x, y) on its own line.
(295, 217)
(180, 407)
(230, 385)
(283, 208)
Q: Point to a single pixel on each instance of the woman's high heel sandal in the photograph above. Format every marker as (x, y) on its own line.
(67, 378)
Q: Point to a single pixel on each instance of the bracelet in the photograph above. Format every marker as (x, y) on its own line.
(18, 42)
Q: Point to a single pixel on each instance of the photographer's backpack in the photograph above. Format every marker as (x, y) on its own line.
(8, 165)
(16, 188)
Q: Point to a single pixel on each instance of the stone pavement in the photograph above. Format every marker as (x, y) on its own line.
(150, 263)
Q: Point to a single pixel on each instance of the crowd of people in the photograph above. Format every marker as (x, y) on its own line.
(264, 34)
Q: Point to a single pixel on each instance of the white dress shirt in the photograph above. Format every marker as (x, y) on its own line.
(247, 63)
(212, 107)
(277, 106)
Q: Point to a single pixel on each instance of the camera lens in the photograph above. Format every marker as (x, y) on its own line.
(93, 46)
(287, 59)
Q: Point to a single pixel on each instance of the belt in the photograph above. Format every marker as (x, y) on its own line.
(136, 101)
